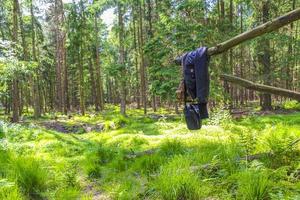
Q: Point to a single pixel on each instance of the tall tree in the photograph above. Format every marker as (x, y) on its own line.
(15, 81)
(99, 100)
(122, 58)
(142, 58)
(265, 60)
(36, 92)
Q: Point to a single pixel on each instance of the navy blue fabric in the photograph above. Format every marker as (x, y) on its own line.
(196, 77)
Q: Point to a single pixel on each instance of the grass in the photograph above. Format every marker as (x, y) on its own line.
(36, 163)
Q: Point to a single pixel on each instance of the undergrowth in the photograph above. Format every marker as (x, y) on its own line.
(37, 163)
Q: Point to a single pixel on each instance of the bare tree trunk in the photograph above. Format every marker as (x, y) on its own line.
(122, 60)
(99, 85)
(81, 81)
(59, 55)
(93, 85)
(266, 60)
(66, 102)
(35, 82)
(135, 35)
(142, 63)
(15, 81)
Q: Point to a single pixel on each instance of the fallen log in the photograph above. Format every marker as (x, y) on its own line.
(258, 31)
(261, 88)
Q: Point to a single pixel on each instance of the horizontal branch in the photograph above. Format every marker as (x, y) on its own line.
(258, 31)
(261, 88)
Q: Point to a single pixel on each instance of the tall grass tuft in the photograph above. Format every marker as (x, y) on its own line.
(176, 181)
(172, 147)
(253, 185)
(29, 175)
(96, 158)
(149, 164)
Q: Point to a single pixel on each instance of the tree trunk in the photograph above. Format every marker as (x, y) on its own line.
(266, 60)
(99, 85)
(122, 60)
(93, 85)
(24, 44)
(15, 82)
(142, 63)
(136, 63)
(59, 55)
(35, 90)
(81, 82)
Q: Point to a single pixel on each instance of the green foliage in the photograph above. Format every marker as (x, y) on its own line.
(291, 105)
(9, 191)
(38, 163)
(2, 134)
(280, 140)
(219, 116)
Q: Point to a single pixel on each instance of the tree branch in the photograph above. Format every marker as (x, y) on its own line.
(261, 88)
(258, 31)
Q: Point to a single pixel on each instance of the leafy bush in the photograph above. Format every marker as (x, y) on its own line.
(279, 139)
(219, 116)
(291, 105)
(248, 141)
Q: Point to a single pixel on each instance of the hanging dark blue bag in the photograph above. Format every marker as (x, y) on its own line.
(196, 86)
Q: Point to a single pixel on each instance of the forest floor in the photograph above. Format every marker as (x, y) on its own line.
(108, 156)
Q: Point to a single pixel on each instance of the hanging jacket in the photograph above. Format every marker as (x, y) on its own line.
(196, 78)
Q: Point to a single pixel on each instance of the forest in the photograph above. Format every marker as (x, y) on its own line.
(95, 101)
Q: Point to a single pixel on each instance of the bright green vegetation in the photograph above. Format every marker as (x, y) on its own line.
(37, 163)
